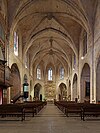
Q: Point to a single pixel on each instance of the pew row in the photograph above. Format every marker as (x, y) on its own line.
(21, 109)
(12, 110)
(83, 110)
(90, 110)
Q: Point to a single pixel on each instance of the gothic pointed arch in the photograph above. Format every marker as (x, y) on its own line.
(85, 83)
(37, 91)
(16, 87)
(62, 92)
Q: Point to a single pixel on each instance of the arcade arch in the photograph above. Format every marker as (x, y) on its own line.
(85, 83)
(98, 81)
(38, 92)
(16, 87)
(62, 92)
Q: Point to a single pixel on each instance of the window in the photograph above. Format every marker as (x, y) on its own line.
(61, 73)
(50, 74)
(74, 62)
(38, 73)
(15, 44)
(1, 52)
(84, 43)
(2, 35)
(26, 62)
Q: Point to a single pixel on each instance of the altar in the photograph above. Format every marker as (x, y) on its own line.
(50, 91)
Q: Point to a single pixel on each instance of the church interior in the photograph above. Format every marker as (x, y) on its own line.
(54, 49)
(49, 51)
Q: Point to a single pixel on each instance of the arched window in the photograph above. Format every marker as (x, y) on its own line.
(38, 72)
(15, 44)
(61, 73)
(50, 74)
(26, 61)
(2, 46)
(1, 52)
(74, 61)
(2, 34)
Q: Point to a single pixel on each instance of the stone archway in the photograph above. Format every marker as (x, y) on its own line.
(16, 88)
(85, 83)
(98, 81)
(62, 92)
(37, 91)
(74, 87)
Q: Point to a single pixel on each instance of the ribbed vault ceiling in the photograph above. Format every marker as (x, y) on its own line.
(51, 29)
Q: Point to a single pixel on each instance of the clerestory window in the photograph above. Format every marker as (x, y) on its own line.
(38, 73)
(15, 44)
(61, 73)
(50, 74)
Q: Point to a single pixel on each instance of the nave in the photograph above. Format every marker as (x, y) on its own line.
(50, 120)
(49, 49)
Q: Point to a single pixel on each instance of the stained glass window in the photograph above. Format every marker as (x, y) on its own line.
(50, 74)
(15, 44)
(61, 73)
(38, 73)
(26, 62)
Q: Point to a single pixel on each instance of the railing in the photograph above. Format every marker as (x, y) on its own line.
(17, 96)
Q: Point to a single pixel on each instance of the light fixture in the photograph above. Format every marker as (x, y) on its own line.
(82, 58)
(73, 69)
(25, 66)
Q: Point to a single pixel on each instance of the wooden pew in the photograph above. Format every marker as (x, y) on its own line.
(21, 109)
(63, 104)
(90, 110)
(83, 109)
(33, 106)
(12, 110)
(73, 108)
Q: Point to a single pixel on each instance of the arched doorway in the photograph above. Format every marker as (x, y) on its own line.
(85, 83)
(37, 92)
(16, 88)
(63, 92)
(98, 81)
(74, 88)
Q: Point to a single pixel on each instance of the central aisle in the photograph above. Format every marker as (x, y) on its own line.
(50, 120)
(50, 111)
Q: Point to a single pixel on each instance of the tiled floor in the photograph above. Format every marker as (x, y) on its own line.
(50, 120)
